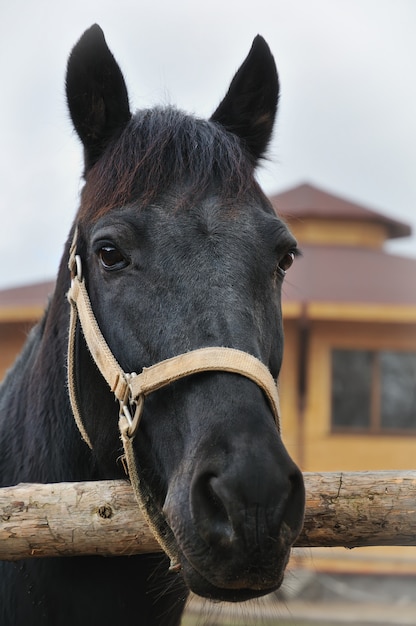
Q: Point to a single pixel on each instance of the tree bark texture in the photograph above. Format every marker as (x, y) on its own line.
(347, 509)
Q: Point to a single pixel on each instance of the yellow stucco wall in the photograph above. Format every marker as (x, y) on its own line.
(326, 451)
(314, 446)
(12, 337)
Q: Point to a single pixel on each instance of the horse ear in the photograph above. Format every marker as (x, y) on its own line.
(96, 94)
(249, 108)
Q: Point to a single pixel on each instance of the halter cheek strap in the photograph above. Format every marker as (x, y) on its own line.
(130, 389)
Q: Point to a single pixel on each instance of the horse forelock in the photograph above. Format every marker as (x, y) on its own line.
(163, 150)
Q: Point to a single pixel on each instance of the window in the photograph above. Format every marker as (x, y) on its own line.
(373, 391)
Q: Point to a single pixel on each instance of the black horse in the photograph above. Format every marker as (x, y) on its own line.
(180, 250)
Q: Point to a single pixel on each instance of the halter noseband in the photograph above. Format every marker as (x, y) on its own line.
(130, 389)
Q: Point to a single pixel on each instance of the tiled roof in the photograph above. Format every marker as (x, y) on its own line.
(309, 201)
(353, 275)
(25, 302)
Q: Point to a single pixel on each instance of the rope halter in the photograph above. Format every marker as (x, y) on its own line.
(131, 389)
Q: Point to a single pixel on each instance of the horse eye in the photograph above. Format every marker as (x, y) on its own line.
(286, 261)
(111, 258)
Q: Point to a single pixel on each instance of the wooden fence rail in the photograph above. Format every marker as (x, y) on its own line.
(348, 509)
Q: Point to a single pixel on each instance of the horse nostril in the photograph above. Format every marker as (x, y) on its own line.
(209, 512)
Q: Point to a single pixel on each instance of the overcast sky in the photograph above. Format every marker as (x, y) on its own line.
(347, 119)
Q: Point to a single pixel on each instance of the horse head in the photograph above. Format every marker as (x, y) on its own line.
(181, 250)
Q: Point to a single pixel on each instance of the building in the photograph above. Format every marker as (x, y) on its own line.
(348, 384)
(348, 381)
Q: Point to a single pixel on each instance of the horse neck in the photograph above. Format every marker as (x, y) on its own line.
(39, 441)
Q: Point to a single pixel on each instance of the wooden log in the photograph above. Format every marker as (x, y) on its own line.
(69, 519)
(347, 509)
(357, 509)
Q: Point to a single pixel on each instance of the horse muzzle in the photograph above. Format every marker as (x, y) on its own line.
(236, 516)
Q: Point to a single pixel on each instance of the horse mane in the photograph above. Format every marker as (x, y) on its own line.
(165, 150)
